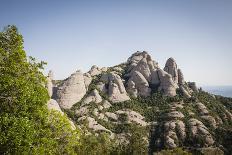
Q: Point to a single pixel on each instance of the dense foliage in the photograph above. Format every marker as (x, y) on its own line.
(26, 126)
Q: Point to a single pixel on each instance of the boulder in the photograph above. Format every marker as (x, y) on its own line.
(72, 90)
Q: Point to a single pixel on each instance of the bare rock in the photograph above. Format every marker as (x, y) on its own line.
(133, 116)
(166, 83)
(53, 105)
(92, 97)
(95, 70)
(199, 130)
(138, 81)
(171, 68)
(202, 109)
(87, 79)
(72, 90)
(180, 77)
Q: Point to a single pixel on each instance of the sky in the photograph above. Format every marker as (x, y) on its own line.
(71, 34)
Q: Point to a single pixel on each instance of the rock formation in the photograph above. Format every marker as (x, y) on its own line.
(71, 91)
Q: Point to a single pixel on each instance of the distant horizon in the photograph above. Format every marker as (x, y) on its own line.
(72, 35)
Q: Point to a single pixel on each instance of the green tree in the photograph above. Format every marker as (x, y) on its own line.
(26, 126)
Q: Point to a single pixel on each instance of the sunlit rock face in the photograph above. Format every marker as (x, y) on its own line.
(72, 90)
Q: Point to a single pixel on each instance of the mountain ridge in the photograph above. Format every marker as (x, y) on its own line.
(169, 111)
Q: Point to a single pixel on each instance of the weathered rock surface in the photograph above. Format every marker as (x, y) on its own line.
(95, 70)
(133, 116)
(116, 89)
(138, 85)
(53, 105)
(167, 85)
(92, 97)
(72, 90)
(171, 68)
(199, 130)
(93, 124)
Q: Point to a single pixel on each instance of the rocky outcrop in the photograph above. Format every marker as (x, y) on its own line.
(171, 68)
(92, 97)
(199, 130)
(95, 70)
(87, 80)
(133, 116)
(53, 105)
(167, 86)
(72, 90)
(116, 89)
(138, 85)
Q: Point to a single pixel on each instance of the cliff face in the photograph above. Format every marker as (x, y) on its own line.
(171, 112)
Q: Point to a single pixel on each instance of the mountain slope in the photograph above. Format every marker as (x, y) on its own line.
(139, 97)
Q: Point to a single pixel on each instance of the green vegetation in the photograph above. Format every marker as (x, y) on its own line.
(26, 126)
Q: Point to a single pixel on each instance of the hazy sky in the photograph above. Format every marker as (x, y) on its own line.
(72, 35)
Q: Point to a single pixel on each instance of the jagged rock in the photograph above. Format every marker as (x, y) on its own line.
(92, 97)
(193, 86)
(142, 62)
(95, 70)
(87, 79)
(171, 68)
(141, 85)
(72, 90)
(199, 130)
(116, 89)
(166, 83)
(133, 116)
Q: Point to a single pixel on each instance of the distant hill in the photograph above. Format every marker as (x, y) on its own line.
(219, 90)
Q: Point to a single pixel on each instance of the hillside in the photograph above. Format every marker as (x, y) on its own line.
(142, 108)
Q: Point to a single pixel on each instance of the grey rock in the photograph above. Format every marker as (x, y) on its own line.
(72, 90)
(171, 68)
(92, 97)
(138, 81)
